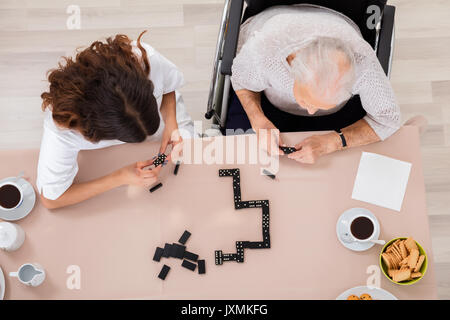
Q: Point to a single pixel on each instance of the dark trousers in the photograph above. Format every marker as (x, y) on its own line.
(287, 122)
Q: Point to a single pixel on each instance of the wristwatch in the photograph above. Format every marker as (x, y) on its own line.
(344, 142)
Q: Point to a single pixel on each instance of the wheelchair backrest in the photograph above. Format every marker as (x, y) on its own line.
(362, 12)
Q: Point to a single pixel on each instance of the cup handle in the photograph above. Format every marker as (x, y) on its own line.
(14, 274)
(23, 185)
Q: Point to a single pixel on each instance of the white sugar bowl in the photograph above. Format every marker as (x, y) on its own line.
(12, 236)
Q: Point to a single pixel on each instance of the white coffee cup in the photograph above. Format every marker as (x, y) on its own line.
(19, 187)
(12, 236)
(369, 238)
(30, 274)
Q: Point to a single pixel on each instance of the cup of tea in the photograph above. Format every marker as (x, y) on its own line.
(362, 228)
(11, 195)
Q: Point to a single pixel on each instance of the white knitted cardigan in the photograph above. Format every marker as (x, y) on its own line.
(267, 39)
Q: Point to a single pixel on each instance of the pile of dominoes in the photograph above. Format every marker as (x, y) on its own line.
(178, 251)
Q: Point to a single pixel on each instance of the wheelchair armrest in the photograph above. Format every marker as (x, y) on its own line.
(231, 36)
(385, 38)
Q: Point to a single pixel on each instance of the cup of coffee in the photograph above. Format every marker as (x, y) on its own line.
(11, 195)
(362, 228)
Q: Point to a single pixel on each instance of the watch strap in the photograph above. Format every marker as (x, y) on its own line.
(341, 134)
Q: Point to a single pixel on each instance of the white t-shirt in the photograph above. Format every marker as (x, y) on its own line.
(58, 164)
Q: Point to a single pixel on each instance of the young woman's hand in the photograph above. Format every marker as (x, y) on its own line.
(171, 136)
(268, 135)
(136, 174)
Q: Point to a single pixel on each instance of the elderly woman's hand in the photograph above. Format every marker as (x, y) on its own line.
(310, 149)
(268, 135)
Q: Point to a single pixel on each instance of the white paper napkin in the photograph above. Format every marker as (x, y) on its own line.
(381, 180)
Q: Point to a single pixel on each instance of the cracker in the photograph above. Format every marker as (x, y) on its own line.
(419, 263)
(398, 260)
(387, 261)
(392, 261)
(399, 256)
(396, 257)
(412, 259)
(410, 244)
(398, 251)
(396, 245)
(390, 272)
(416, 275)
(404, 267)
(401, 275)
(403, 250)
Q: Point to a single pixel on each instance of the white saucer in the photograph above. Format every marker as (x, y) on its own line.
(375, 293)
(2, 285)
(29, 198)
(342, 227)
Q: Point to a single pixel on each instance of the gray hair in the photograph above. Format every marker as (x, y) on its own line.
(315, 65)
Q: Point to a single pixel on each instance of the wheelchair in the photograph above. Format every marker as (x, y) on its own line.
(379, 34)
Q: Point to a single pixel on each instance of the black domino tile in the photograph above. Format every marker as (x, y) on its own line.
(190, 256)
(255, 245)
(177, 167)
(265, 211)
(242, 244)
(269, 174)
(158, 254)
(288, 150)
(179, 250)
(201, 267)
(218, 257)
(184, 237)
(167, 249)
(230, 257)
(173, 251)
(153, 189)
(164, 271)
(241, 204)
(159, 160)
(250, 204)
(237, 191)
(189, 265)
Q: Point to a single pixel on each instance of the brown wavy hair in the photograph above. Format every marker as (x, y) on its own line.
(105, 92)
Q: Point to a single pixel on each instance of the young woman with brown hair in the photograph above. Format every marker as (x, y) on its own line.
(112, 92)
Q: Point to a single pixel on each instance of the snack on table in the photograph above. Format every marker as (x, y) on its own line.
(419, 263)
(403, 260)
(364, 296)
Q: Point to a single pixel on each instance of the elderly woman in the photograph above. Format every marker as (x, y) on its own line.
(307, 68)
